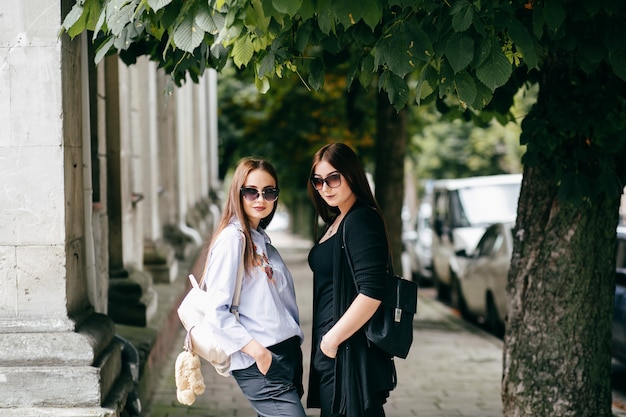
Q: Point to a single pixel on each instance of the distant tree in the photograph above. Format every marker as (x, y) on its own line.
(444, 147)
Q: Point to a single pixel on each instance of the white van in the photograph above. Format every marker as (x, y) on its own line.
(461, 211)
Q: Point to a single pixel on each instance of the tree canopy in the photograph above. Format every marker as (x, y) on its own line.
(478, 52)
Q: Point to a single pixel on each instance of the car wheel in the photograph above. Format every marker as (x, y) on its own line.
(493, 322)
(443, 292)
(457, 300)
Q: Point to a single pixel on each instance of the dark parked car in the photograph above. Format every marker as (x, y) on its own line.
(619, 312)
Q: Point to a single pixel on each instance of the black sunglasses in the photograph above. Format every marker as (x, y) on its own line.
(333, 181)
(269, 194)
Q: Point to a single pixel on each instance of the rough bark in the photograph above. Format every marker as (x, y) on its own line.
(561, 285)
(389, 177)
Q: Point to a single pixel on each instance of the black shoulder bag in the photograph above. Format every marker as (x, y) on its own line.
(391, 326)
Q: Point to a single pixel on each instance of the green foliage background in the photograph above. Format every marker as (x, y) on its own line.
(289, 124)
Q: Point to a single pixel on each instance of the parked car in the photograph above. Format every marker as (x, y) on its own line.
(417, 241)
(479, 290)
(462, 210)
(619, 311)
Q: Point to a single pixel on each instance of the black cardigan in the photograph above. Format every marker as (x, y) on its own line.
(364, 374)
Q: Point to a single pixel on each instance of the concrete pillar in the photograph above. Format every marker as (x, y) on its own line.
(57, 357)
(159, 257)
(212, 157)
(132, 299)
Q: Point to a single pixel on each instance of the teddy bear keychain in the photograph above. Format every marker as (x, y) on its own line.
(188, 373)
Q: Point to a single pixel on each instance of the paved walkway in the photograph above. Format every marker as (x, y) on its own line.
(453, 369)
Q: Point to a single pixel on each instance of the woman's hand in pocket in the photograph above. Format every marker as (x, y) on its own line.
(264, 362)
(328, 349)
(261, 355)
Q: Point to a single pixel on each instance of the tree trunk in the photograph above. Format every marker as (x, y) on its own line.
(389, 177)
(561, 286)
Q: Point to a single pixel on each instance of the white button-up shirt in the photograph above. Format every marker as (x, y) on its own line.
(267, 309)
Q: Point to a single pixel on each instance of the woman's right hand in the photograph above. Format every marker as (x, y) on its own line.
(264, 362)
(261, 355)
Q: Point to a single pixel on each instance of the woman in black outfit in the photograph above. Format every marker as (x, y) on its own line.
(349, 376)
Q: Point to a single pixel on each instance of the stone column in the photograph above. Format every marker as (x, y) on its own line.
(56, 354)
(159, 258)
(132, 299)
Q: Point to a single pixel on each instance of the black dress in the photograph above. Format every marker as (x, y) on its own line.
(320, 261)
(358, 381)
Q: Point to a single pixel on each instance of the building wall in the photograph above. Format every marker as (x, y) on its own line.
(101, 174)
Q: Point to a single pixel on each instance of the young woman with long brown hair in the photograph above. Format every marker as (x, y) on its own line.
(349, 376)
(265, 342)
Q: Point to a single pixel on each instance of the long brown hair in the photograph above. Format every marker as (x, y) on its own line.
(347, 163)
(234, 207)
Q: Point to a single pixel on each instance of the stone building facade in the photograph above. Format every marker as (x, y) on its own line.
(105, 185)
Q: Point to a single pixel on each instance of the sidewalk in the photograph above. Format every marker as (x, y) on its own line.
(453, 370)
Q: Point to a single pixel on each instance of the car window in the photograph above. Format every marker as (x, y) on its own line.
(488, 204)
(490, 243)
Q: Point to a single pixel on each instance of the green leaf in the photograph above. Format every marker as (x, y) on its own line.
(219, 52)
(262, 85)
(316, 74)
(483, 96)
(349, 13)
(446, 79)
(255, 18)
(303, 35)
(424, 90)
(158, 4)
(210, 22)
(188, 36)
(366, 75)
(99, 24)
(618, 62)
(521, 38)
(397, 89)
(289, 7)
(71, 19)
(420, 46)
(326, 18)
(242, 51)
(267, 65)
(465, 88)
(459, 51)
(372, 12)
(483, 50)
(119, 15)
(553, 14)
(307, 10)
(103, 50)
(462, 15)
(496, 70)
(392, 51)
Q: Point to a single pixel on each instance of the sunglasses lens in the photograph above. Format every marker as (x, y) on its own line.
(333, 181)
(250, 194)
(318, 183)
(270, 194)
